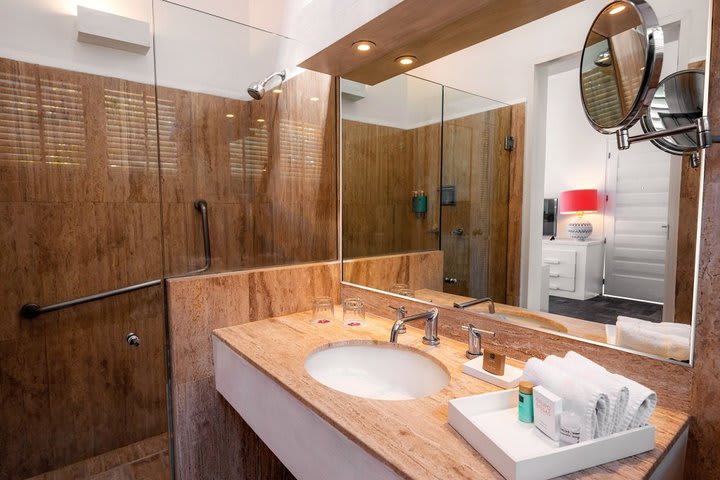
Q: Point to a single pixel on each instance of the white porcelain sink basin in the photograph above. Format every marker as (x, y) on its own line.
(376, 370)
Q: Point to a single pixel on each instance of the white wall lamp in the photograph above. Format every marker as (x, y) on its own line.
(113, 31)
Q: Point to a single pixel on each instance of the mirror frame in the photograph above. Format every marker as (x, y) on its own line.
(662, 143)
(653, 66)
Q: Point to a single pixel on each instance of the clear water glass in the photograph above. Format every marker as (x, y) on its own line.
(402, 289)
(323, 310)
(353, 312)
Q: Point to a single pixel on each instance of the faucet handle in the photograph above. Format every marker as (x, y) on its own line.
(400, 313)
(475, 340)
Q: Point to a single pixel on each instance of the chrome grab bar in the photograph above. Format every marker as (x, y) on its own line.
(33, 310)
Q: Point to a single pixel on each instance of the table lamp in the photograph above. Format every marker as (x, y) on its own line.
(579, 202)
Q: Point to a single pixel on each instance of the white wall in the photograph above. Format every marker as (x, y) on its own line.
(44, 32)
(408, 102)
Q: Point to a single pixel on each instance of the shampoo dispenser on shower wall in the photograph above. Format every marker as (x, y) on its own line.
(419, 203)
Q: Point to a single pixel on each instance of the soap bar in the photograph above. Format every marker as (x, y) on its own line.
(547, 407)
(494, 363)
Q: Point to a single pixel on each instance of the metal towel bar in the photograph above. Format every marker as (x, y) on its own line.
(33, 310)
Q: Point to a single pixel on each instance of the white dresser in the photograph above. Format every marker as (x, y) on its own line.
(576, 268)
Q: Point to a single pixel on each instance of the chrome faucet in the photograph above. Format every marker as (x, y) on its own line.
(491, 306)
(431, 326)
(475, 340)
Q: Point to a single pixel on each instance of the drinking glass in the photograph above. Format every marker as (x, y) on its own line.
(323, 310)
(353, 312)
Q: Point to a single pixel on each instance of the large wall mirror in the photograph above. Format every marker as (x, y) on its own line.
(475, 177)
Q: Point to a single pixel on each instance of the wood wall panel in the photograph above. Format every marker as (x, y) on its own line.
(420, 270)
(475, 161)
(515, 205)
(407, 28)
(211, 440)
(382, 166)
(270, 185)
(80, 208)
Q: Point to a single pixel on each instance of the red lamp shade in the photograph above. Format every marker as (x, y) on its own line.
(574, 201)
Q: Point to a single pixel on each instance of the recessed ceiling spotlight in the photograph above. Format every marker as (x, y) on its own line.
(363, 45)
(261, 120)
(229, 115)
(314, 99)
(406, 60)
(617, 9)
(277, 90)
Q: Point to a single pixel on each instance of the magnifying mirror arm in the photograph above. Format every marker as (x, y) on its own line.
(702, 126)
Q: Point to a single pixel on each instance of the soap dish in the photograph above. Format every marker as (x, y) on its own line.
(510, 379)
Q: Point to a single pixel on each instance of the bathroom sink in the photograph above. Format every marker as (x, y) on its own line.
(377, 370)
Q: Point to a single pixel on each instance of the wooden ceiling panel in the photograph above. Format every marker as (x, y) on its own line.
(428, 30)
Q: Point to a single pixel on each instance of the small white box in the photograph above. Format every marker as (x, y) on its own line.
(547, 408)
(519, 451)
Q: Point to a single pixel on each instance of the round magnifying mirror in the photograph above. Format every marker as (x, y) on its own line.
(678, 102)
(621, 64)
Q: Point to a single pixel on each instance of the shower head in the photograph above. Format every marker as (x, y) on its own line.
(257, 89)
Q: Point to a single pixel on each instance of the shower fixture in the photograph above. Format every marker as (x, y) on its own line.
(257, 89)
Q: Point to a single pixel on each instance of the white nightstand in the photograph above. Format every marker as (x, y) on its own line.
(576, 268)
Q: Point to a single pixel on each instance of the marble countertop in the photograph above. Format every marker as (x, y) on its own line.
(412, 437)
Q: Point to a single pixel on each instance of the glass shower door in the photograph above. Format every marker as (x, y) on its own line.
(82, 386)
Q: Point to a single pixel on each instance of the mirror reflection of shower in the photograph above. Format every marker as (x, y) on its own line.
(257, 89)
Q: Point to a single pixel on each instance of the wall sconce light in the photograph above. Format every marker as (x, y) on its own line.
(113, 31)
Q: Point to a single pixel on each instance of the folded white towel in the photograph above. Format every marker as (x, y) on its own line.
(671, 340)
(616, 391)
(589, 401)
(641, 400)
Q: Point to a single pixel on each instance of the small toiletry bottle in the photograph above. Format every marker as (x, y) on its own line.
(525, 402)
(570, 423)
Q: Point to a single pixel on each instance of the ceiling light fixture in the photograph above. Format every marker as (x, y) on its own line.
(314, 99)
(277, 90)
(617, 9)
(406, 60)
(261, 120)
(363, 45)
(229, 115)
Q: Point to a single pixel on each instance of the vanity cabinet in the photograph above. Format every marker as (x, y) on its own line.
(575, 268)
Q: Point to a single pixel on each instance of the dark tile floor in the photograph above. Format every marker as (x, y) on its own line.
(605, 309)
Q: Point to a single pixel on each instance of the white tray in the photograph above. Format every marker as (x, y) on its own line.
(510, 379)
(519, 451)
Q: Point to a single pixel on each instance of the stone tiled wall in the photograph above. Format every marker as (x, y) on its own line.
(210, 439)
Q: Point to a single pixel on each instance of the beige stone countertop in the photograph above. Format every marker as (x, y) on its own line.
(412, 437)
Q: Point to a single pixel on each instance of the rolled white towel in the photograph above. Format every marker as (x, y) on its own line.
(616, 391)
(641, 405)
(671, 340)
(588, 399)
(641, 400)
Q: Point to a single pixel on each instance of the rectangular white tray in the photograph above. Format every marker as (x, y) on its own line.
(519, 451)
(510, 379)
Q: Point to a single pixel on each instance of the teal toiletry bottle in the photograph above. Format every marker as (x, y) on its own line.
(525, 402)
(419, 204)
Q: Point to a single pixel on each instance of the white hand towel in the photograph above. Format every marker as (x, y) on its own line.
(641, 405)
(641, 401)
(617, 392)
(588, 399)
(671, 340)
